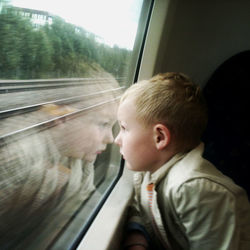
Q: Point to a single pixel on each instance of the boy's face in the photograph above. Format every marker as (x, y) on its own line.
(135, 140)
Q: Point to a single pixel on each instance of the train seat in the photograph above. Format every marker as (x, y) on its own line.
(227, 137)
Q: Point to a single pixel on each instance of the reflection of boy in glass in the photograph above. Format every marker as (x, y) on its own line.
(42, 171)
(85, 135)
(80, 139)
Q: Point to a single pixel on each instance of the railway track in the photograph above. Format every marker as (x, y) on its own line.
(20, 97)
(28, 95)
(12, 86)
(9, 112)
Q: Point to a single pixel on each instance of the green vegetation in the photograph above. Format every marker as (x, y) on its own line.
(53, 51)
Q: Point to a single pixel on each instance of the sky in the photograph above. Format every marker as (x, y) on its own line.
(115, 21)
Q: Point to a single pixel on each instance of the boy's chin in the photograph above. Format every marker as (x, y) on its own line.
(128, 166)
(131, 167)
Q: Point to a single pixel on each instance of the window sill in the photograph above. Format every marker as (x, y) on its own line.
(106, 230)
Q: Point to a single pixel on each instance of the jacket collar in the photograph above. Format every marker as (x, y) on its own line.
(157, 176)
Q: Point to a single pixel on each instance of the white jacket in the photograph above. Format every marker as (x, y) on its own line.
(194, 206)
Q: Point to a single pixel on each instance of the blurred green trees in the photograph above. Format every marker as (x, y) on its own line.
(53, 50)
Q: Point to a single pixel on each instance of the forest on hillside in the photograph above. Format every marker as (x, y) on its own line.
(55, 50)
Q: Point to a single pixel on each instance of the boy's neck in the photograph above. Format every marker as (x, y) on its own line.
(163, 158)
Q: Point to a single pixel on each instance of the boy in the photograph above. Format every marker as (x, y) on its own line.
(181, 200)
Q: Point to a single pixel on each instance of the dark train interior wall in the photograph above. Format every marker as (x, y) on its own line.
(198, 36)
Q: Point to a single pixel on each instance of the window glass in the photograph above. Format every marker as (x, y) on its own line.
(63, 67)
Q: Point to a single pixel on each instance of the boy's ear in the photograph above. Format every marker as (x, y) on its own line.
(161, 136)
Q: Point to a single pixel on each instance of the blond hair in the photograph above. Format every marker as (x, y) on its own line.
(173, 100)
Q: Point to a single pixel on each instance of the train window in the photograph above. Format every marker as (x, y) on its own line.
(63, 66)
